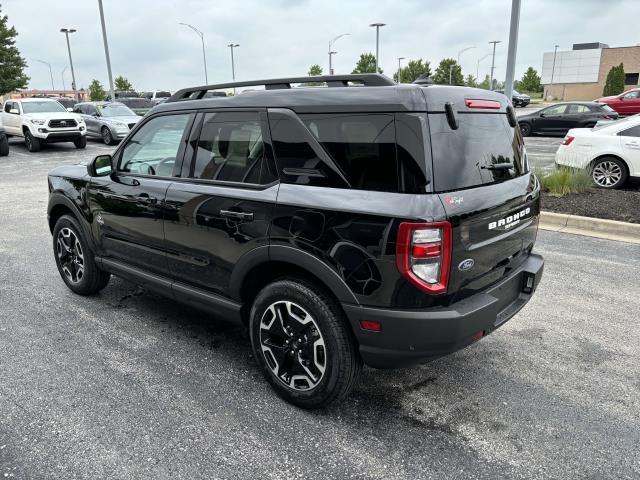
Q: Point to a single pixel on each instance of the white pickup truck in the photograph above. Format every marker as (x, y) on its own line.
(42, 120)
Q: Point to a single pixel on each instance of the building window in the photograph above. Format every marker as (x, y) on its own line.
(631, 78)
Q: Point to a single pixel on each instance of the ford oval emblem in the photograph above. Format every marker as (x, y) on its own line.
(467, 264)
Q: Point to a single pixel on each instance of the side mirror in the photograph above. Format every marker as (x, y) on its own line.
(14, 111)
(100, 166)
(543, 115)
(69, 109)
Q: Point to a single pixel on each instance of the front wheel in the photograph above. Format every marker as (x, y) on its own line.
(32, 143)
(609, 172)
(74, 259)
(4, 146)
(525, 129)
(303, 345)
(80, 142)
(107, 138)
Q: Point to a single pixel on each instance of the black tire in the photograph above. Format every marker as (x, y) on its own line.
(332, 343)
(609, 172)
(92, 279)
(525, 129)
(32, 143)
(107, 138)
(80, 142)
(4, 146)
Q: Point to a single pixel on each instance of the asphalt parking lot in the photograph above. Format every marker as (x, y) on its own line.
(127, 384)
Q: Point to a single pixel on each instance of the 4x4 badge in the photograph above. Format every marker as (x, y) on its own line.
(467, 264)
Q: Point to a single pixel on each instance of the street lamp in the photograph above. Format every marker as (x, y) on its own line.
(106, 51)
(462, 51)
(64, 87)
(478, 66)
(204, 56)
(493, 61)
(233, 67)
(53, 87)
(553, 67)
(331, 42)
(399, 69)
(66, 32)
(377, 25)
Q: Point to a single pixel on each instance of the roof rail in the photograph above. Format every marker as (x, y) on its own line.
(367, 79)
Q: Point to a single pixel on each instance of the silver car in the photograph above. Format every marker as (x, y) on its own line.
(110, 121)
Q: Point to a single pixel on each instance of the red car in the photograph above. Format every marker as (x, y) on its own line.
(627, 103)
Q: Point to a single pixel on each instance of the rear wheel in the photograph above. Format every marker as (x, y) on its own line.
(4, 146)
(107, 138)
(80, 142)
(74, 259)
(301, 341)
(525, 129)
(609, 172)
(32, 143)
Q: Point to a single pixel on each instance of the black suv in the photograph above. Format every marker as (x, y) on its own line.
(364, 222)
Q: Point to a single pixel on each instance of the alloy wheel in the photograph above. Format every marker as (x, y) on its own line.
(607, 174)
(292, 345)
(106, 136)
(70, 255)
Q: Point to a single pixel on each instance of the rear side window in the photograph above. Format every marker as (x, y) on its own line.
(484, 149)
(577, 108)
(630, 132)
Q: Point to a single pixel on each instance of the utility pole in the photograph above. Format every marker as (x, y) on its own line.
(450, 71)
(112, 92)
(377, 25)
(553, 68)
(331, 42)
(64, 87)
(66, 32)
(204, 55)
(399, 70)
(53, 87)
(233, 67)
(493, 61)
(513, 47)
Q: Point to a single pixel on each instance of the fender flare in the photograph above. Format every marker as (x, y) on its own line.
(59, 198)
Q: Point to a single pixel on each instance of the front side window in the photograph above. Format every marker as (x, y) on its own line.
(632, 95)
(231, 149)
(153, 149)
(555, 110)
(42, 107)
(8, 106)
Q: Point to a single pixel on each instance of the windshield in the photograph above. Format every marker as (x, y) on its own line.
(484, 149)
(162, 94)
(138, 102)
(42, 107)
(115, 110)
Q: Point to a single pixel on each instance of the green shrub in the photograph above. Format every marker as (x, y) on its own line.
(565, 180)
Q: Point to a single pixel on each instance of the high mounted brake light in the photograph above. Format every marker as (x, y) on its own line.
(423, 255)
(491, 104)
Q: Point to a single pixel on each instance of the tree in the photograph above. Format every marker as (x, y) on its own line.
(614, 85)
(530, 81)
(12, 65)
(448, 73)
(121, 84)
(413, 70)
(96, 91)
(315, 70)
(366, 64)
(471, 81)
(486, 83)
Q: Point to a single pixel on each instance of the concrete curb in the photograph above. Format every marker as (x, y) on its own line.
(591, 227)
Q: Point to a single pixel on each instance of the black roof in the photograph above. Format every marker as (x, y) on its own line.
(372, 97)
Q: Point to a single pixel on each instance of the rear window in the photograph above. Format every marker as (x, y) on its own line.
(484, 149)
(606, 108)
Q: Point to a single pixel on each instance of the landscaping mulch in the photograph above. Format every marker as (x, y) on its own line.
(622, 205)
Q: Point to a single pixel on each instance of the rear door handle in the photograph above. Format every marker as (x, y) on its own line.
(145, 198)
(237, 215)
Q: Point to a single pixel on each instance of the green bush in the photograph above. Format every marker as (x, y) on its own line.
(564, 180)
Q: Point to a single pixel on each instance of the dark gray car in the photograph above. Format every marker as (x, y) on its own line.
(110, 121)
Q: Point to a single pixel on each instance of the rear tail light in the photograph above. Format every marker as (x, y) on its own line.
(423, 255)
(568, 139)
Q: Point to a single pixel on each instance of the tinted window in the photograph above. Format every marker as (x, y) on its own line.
(632, 95)
(555, 110)
(630, 132)
(8, 106)
(576, 108)
(362, 146)
(231, 149)
(410, 149)
(468, 156)
(154, 148)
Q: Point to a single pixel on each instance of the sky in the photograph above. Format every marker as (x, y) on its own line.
(281, 38)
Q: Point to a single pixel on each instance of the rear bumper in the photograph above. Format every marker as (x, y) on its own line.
(414, 336)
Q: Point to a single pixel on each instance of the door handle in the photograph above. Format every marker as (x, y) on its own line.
(145, 198)
(246, 216)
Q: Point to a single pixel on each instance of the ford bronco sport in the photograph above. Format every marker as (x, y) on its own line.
(364, 222)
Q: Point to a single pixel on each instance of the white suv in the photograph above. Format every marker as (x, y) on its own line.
(42, 120)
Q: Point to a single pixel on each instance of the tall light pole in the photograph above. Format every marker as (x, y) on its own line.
(553, 67)
(377, 25)
(462, 51)
(493, 61)
(233, 66)
(106, 52)
(331, 42)
(64, 87)
(513, 47)
(66, 32)
(53, 87)
(204, 55)
(478, 66)
(399, 69)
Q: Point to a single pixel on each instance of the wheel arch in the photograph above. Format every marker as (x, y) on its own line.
(60, 205)
(610, 155)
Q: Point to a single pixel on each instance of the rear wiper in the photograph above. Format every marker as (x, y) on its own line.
(498, 166)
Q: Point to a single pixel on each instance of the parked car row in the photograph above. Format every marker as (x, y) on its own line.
(560, 118)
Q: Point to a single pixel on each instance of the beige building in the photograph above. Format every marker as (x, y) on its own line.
(580, 73)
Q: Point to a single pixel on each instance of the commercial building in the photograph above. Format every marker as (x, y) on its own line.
(580, 73)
